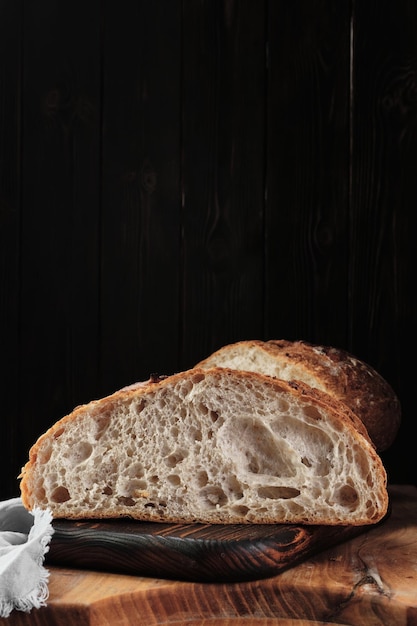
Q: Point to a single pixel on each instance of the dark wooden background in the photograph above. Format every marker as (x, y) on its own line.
(176, 175)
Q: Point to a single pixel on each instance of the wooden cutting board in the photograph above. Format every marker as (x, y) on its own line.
(193, 552)
(369, 580)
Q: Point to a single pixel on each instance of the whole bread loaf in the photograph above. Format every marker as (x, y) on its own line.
(329, 369)
(210, 446)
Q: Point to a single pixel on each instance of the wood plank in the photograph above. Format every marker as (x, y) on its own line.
(370, 580)
(308, 171)
(10, 223)
(140, 228)
(59, 254)
(223, 174)
(383, 214)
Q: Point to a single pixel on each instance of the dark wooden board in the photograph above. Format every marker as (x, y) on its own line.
(193, 552)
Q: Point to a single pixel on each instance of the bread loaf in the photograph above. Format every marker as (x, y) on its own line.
(210, 446)
(335, 371)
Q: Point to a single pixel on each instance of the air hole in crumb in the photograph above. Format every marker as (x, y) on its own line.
(233, 487)
(81, 452)
(198, 378)
(240, 510)
(278, 493)
(174, 459)
(107, 491)
(44, 454)
(312, 412)
(202, 478)
(256, 450)
(126, 501)
(253, 465)
(102, 424)
(295, 508)
(161, 402)
(174, 479)
(135, 470)
(139, 485)
(140, 406)
(370, 508)
(195, 434)
(58, 433)
(251, 515)
(185, 389)
(202, 408)
(40, 494)
(60, 494)
(283, 405)
(348, 497)
(214, 416)
(305, 461)
(213, 496)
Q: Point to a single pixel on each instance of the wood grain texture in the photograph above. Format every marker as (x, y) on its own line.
(223, 117)
(370, 580)
(384, 157)
(307, 171)
(193, 552)
(10, 225)
(141, 202)
(59, 263)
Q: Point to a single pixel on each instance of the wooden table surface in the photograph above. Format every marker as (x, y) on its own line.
(369, 580)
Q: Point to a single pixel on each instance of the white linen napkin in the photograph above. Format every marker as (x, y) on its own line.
(24, 542)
